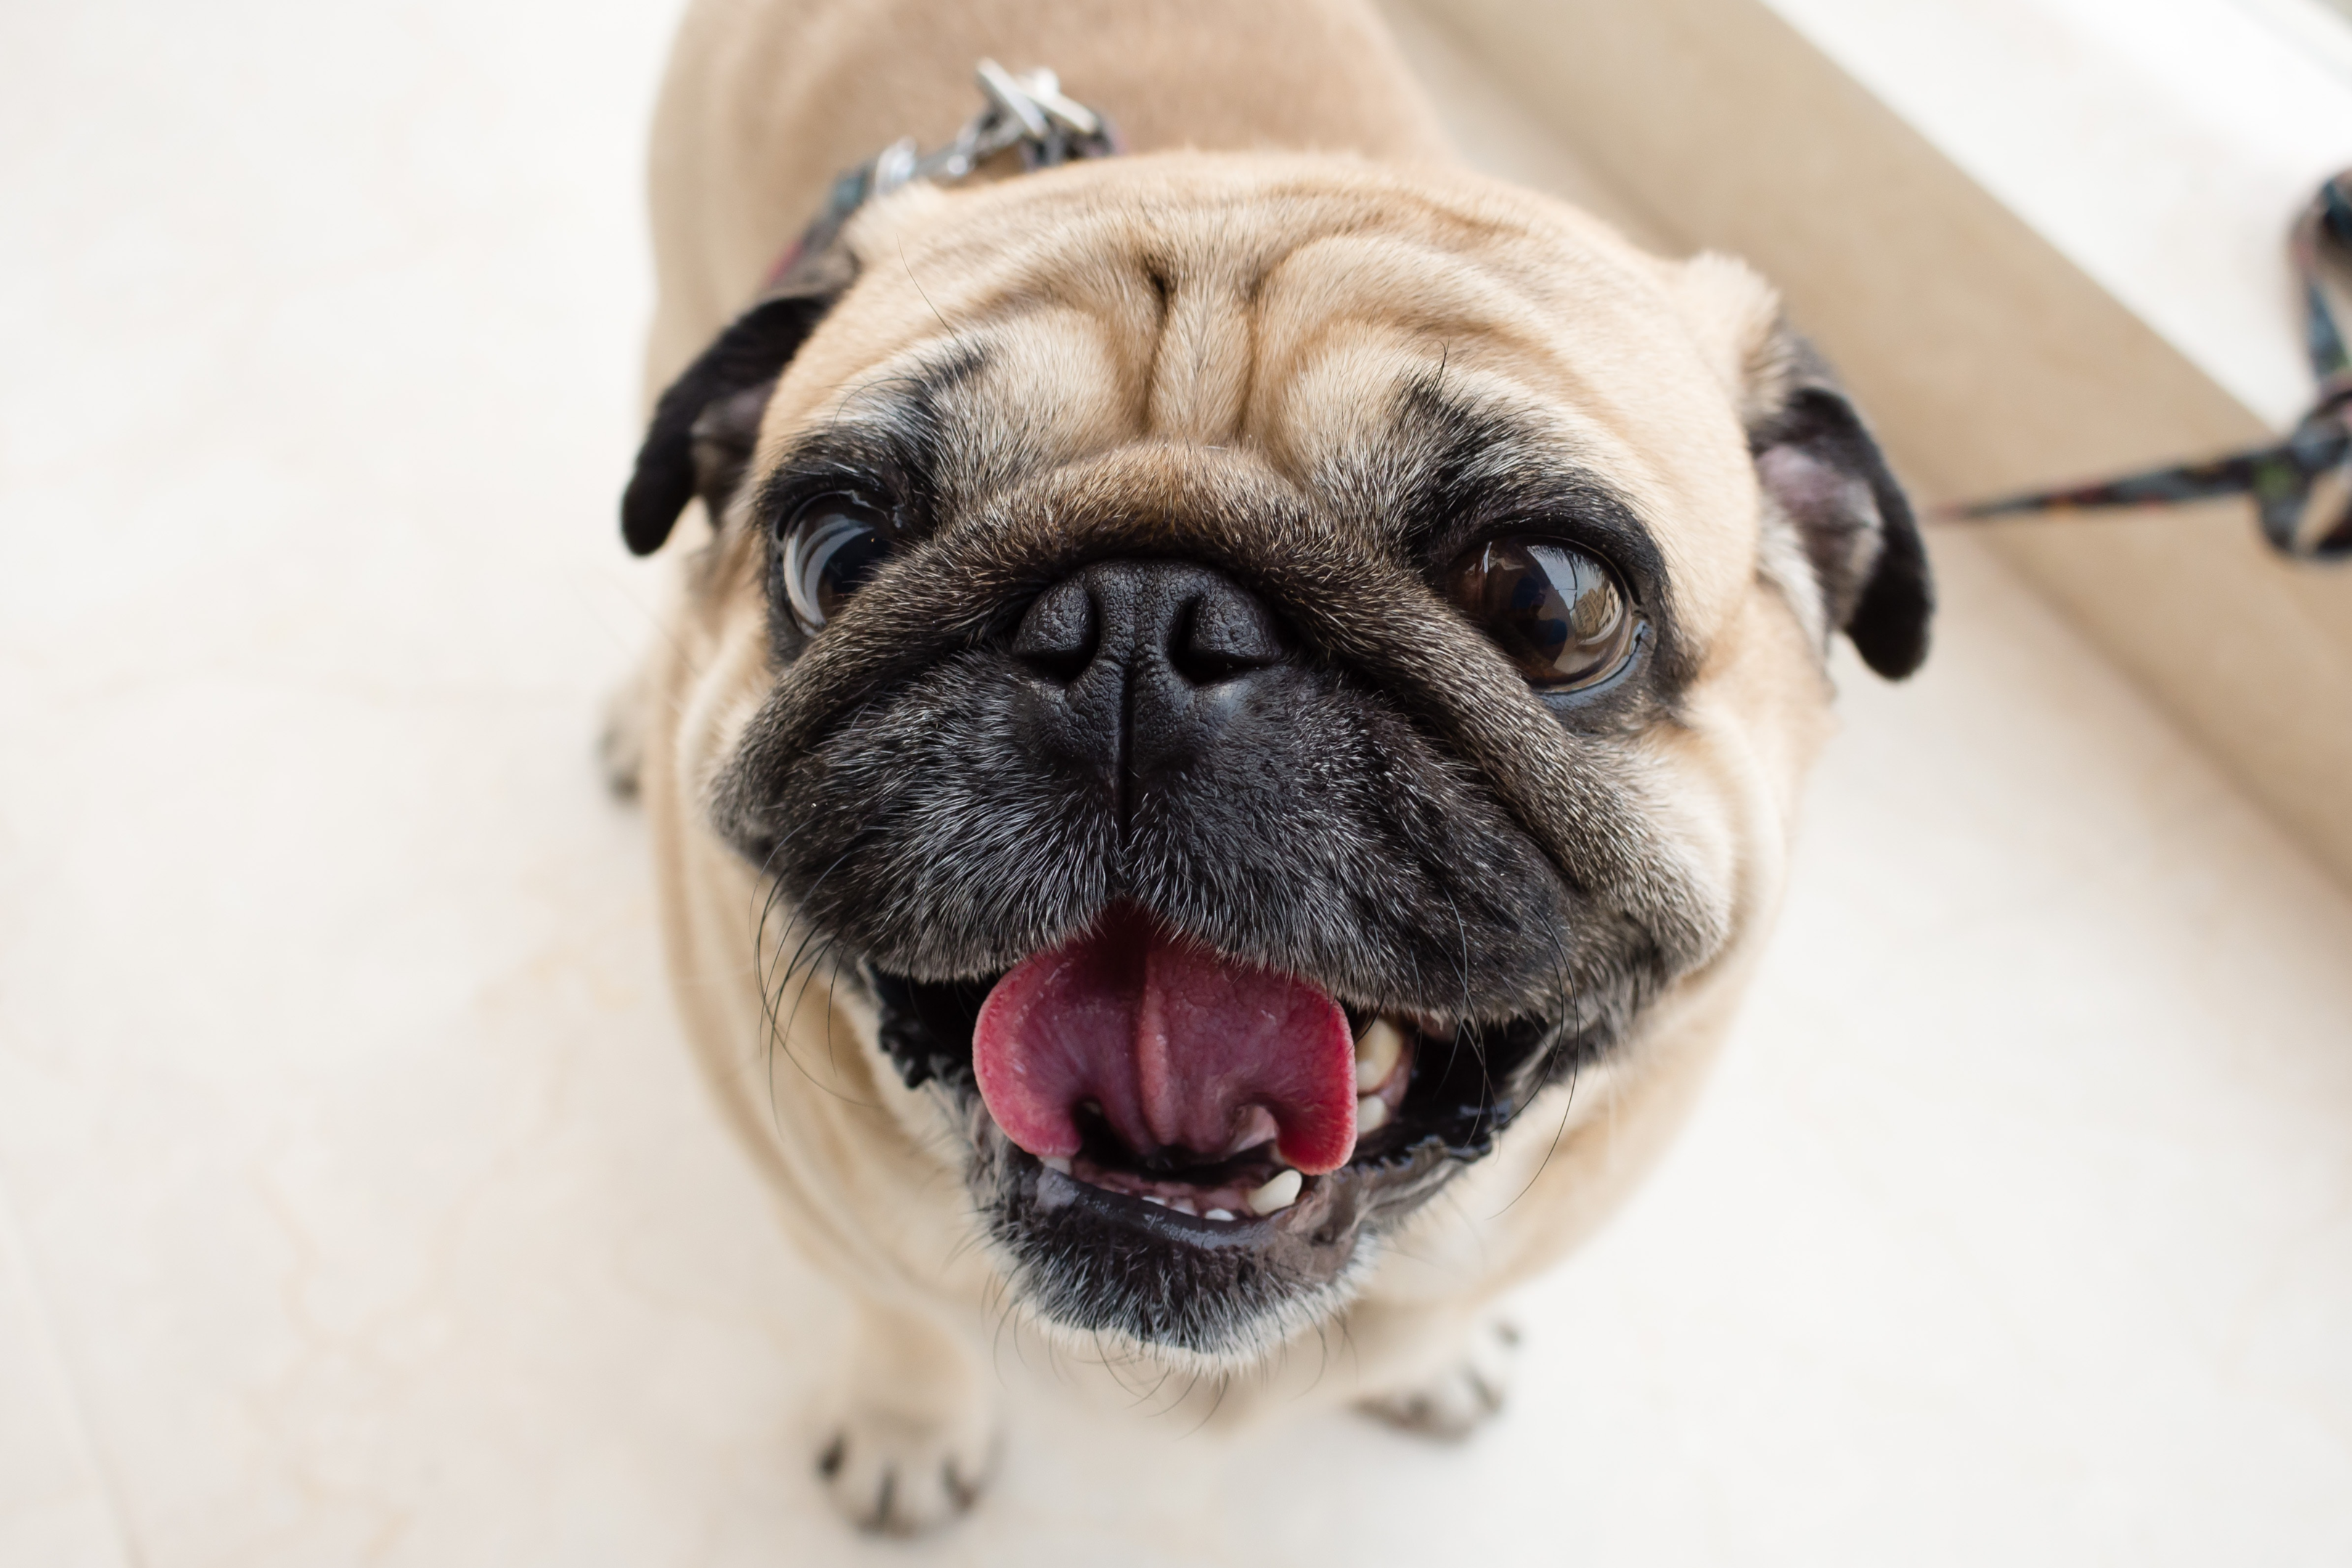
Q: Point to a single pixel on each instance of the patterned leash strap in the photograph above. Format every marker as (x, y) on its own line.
(1026, 114)
(2302, 487)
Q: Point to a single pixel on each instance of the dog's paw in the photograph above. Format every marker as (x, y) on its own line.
(621, 743)
(1461, 1397)
(897, 1477)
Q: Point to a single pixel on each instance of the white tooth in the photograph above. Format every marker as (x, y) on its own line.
(1218, 1214)
(1056, 1163)
(1376, 1055)
(1371, 1114)
(1155, 1198)
(1278, 1194)
(1184, 1206)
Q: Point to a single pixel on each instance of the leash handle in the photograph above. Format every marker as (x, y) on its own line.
(2302, 487)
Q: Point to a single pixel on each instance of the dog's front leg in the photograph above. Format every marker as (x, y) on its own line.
(621, 743)
(1443, 1371)
(912, 1428)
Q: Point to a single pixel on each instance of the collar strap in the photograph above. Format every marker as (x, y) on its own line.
(1026, 114)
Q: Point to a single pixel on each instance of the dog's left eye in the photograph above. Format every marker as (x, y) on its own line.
(1557, 612)
(832, 545)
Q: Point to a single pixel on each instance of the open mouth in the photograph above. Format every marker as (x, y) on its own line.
(1196, 1100)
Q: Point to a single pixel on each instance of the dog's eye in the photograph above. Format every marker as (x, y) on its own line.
(1555, 611)
(832, 545)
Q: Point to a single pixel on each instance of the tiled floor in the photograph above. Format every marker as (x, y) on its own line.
(356, 1202)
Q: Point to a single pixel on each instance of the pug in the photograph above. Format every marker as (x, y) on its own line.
(1212, 696)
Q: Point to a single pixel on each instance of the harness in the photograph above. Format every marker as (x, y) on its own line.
(1026, 115)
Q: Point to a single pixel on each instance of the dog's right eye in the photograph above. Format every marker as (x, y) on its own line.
(832, 545)
(1557, 612)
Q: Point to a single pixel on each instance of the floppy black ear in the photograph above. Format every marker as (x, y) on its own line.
(1816, 459)
(705, 426)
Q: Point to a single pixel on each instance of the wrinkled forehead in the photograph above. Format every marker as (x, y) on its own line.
(1356, 338)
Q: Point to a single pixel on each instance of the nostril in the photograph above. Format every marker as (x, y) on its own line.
(1058, 636)
(1223, 634)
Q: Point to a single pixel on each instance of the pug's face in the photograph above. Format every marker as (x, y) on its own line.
(1248, 671)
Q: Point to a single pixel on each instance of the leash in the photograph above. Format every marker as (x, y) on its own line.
(1027, 115)
(2302, 487)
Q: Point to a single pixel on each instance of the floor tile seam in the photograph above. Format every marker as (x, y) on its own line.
(64, 1399)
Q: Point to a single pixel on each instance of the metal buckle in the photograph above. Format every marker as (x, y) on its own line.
(1028, 111)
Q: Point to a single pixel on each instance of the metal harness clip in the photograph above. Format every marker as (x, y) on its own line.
(1027, 113)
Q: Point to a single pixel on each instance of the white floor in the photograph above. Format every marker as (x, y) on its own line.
(357, 1205)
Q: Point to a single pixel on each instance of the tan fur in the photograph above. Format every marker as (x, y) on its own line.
(1312, 285)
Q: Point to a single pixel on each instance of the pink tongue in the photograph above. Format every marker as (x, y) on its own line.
(1180, 1049)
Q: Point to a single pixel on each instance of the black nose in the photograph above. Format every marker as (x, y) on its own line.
(1143, 669)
